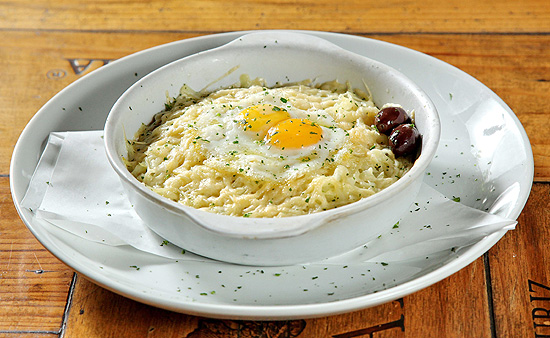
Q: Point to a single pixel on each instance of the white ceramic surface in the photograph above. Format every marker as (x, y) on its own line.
(278, 57)
(484, 157)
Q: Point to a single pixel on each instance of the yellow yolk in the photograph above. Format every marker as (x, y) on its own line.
(294, 134)
(260, 118)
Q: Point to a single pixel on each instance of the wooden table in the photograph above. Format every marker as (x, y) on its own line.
(505, 44)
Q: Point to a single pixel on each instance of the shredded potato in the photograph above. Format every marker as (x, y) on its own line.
(171, 157)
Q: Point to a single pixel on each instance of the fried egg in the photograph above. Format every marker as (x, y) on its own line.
(265, 136)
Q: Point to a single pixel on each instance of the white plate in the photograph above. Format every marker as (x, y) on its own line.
(484, 158)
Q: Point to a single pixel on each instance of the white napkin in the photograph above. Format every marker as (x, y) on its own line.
(75, 188)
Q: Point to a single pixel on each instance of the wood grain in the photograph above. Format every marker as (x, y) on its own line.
(455, 307)
(19, 334)
(504, 44)
(354, 16)
(92, 315)
(38, 67)
(96, 312)
(515, 67)
(517, 262)
(33, 284)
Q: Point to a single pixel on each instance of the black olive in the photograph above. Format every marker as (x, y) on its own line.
(389, 118)
(404, 139)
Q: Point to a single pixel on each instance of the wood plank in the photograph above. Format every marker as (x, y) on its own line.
(492, 59)
(520, 272)
(231, 15)
(515, 67)
(33, 284)
(39, 66)
(19, 334)
(96, 312)
(455, 307)
(441, 308)
(40, 36)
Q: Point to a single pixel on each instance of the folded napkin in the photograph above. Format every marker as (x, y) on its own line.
(75, 188)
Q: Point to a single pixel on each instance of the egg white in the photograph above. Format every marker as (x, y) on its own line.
(231, 148)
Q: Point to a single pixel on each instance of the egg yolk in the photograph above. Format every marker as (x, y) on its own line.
(294, 133)
(258, 119)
